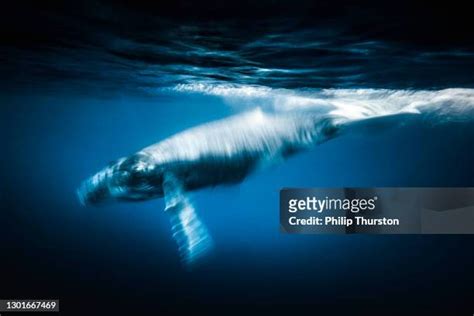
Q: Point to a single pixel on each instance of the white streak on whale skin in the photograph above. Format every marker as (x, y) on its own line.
(251, 137)
(454, 104)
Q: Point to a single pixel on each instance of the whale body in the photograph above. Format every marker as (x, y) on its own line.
(216, 153)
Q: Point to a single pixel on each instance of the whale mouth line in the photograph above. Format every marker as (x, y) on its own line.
(80, 197)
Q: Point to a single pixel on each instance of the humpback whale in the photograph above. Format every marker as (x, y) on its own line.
(215, 153)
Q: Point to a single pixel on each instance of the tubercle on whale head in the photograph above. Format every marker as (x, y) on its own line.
(133, 178)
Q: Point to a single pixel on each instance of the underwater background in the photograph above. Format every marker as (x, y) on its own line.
(92, 91)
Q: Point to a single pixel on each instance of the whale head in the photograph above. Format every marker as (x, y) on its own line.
(134, 178)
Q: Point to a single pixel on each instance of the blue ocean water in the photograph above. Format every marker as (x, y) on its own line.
(53, 141)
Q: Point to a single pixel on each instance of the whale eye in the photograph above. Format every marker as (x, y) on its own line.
(136, 169)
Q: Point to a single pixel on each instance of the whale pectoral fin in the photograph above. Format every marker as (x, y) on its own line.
(190, 233)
